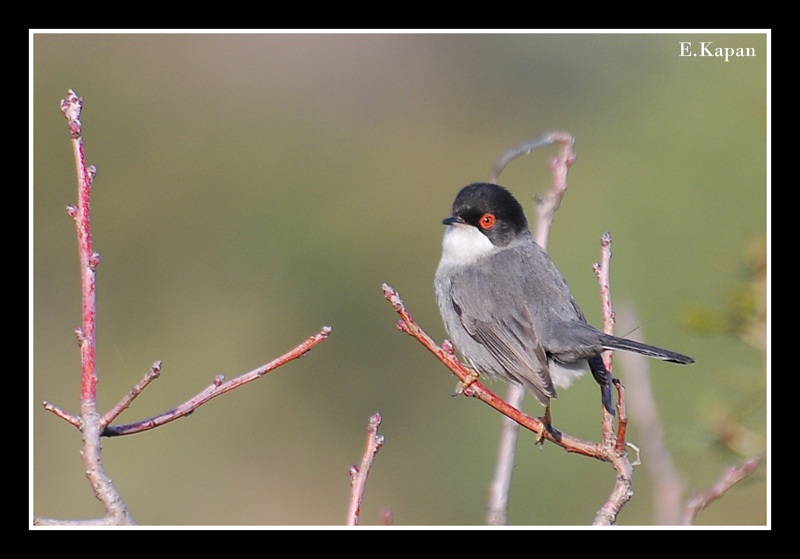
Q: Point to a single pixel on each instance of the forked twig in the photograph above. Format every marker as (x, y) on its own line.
(359, 474)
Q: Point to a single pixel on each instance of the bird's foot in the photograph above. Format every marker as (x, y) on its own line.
(547, 426)
(464, 384)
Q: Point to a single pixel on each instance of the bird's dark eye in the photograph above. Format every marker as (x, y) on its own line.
(487, 221)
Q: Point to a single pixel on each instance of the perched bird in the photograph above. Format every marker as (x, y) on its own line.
(506, 307)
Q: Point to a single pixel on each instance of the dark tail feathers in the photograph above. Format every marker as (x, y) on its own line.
(613, 342)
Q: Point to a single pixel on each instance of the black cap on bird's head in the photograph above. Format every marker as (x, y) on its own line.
(491, 209)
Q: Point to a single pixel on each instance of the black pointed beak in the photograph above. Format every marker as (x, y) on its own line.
(452, 220)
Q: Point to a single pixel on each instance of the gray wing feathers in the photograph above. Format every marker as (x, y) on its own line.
(508, 334)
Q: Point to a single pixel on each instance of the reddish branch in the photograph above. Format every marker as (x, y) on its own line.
(477, 390)
(90, 423)
(602, 271)
(216, 388)
(359, 474)
(71, 107)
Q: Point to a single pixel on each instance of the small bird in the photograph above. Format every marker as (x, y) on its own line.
(509, 311)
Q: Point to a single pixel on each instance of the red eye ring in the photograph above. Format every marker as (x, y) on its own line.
(487, 221)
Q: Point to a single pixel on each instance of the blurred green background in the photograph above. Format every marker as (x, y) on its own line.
(253, 188)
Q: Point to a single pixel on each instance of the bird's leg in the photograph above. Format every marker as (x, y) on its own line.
(605, 380)
(607, 397)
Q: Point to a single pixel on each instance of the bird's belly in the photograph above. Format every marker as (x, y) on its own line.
(564, 374)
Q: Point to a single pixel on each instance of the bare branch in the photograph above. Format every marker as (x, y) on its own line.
(622, 491)
(729, 478)
(359, 474)
(602, 270)
(122, 405)
(546, 207)
(116, 510)
(71, 106)
(68, 417)
(217, 388)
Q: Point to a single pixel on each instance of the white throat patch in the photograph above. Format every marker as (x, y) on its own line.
(463, 244)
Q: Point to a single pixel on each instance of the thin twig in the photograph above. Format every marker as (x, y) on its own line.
(602, 270)
(68, 417)
(546, 207)
(359, 474)
(217, 388)
(729, 478)
(116, 509)
(623, 484)
(127, 400)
